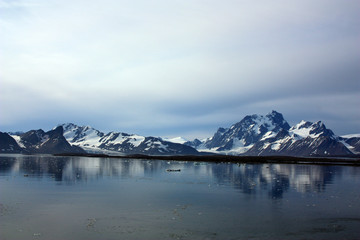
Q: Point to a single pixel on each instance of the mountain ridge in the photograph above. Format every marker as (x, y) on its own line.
(93, 140)
(39, 141)
(257, 135)
(254, 135)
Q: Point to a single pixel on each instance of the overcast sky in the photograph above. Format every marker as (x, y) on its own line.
(178, 67)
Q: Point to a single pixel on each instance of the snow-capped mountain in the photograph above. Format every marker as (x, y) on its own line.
(85, 137)
(38, 141)
(242, 136)
(95, 141)
(271, 135)
(254, 135)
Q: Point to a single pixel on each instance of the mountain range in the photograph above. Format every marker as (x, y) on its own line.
(254, 135)
(37, 141)
(257, 135)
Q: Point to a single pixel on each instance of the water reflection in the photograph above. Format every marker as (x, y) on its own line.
(273, 179)
(277, 178)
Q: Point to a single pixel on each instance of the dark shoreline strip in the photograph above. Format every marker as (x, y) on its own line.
(232, 159)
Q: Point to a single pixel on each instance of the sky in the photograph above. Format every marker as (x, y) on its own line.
(178, 67)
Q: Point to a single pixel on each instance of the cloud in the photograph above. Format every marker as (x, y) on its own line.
(175, 66)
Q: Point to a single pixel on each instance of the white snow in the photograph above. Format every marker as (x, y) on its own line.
(91, 138)
(90, 135)
(261, 121)
(69, 132)
(179, 140)
(118, 140)
(303, 132)
(136, 140)
(266, 145)
(69, 135)
(160, 145)
(18, 140)
(238, 148)
(300, 130)
(276, 146)
(269, 134)
(357, 135)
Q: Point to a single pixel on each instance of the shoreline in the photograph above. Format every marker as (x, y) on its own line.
(232, 159)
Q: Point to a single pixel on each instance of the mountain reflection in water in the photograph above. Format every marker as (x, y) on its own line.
(273, 179)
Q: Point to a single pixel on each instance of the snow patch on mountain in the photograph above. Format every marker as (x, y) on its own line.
(351, 148)
(269, 134)
(238, 147)
(306, 129)
(17, 138)
(179, 140)
(261, 122)
(356, 135)
(136, 140)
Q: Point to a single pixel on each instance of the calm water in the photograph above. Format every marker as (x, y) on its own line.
(46, 197)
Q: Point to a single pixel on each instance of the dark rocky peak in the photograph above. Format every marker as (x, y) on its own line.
(32, 136)
(250, 129)
(157, 146)
(250, 118)
(320, 128)
(264, 128)
(273, 121)
(245, 122)
(67, 126)
(197, 141)
(58, 131)
(194, 143)
(283, 133)
(125, 134)
(221, 130)
(278, 120)
(8, 144)
(53, 141)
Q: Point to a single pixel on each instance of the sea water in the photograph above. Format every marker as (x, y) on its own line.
(48, 197)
